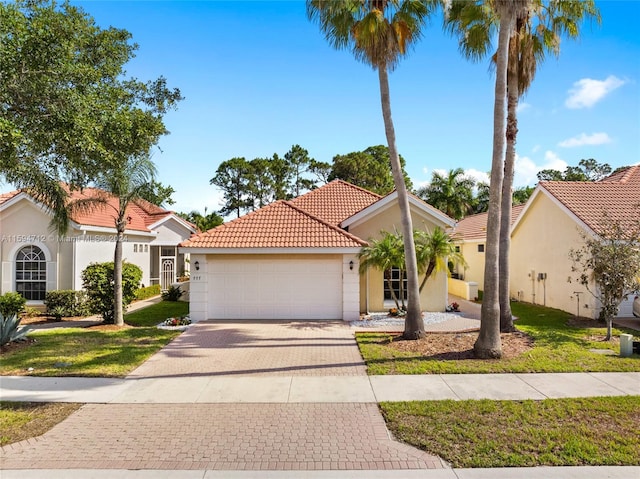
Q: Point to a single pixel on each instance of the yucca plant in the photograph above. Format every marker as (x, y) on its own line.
(9, 330)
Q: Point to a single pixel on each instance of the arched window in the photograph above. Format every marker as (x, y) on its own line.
(31, 273)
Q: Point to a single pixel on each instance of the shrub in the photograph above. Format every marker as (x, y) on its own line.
(11, 303)
(172, 294)
(9, 330)
(67, 303)
(148, 292)
(97, 280)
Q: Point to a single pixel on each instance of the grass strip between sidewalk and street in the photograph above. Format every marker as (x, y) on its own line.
(552, 432)
(559, 344)
(25, 420)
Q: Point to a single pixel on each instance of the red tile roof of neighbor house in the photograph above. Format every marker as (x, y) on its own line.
(141, 213)
(474, 227)
(279, 225)
(616, 197)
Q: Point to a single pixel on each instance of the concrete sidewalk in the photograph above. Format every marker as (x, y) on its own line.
(317, 389)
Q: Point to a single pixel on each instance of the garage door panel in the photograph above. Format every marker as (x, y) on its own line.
(264, 288)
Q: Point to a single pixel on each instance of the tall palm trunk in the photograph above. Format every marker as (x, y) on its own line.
(488, 344)
(413, 323)
(513, 93)
(118, 317)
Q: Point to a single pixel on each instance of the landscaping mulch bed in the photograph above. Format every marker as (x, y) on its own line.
(454, 346)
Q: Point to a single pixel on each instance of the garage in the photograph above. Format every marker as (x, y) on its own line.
(275, 287)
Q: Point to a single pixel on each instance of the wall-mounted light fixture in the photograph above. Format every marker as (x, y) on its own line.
(197, 265)
(351, 265)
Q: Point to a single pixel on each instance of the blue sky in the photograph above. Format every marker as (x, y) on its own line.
(258, 77)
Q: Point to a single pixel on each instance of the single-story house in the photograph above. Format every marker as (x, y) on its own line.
(550, 226)
(298, 259)
(35, 259)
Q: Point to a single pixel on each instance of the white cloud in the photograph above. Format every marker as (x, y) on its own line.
(523, 106)
(479, 176)
(587, 92)
(584, 139)
(526, 169)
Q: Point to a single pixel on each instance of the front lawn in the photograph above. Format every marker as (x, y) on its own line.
(156, 313)
(556, 346)
(553, 432)
(102, 351)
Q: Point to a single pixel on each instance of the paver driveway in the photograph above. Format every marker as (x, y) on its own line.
(268, 348)
(247, 436)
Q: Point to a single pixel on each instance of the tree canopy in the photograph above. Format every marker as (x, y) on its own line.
(368, 169)
(66, 111)
(587, 170)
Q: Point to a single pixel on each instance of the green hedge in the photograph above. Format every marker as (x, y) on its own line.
(11, 303)
(65, 303)
(148, 292)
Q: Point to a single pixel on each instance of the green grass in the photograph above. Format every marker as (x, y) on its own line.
(553, 432)
(20, 421)
(83, 352)
(557, 347)
(94, 353)
(156, 313)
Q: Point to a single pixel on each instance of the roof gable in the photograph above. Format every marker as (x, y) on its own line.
(278, 225)
(141, 214)
(391, 199)
(617, 196)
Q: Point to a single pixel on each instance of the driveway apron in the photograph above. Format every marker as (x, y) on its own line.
(234, 436)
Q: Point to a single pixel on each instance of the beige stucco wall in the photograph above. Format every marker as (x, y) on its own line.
(540, 244)
(434, 294)
(475, 262)
(24, 223)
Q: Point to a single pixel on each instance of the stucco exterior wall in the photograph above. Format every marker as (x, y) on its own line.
(540, 244)
(25, 223)
(475, 262)
(434, 294)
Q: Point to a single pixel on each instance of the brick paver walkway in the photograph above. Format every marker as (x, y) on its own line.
(265, 436)
(220, 437)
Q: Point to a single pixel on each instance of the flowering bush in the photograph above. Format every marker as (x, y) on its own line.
(183, 321)
(397, 312)
(453, 307)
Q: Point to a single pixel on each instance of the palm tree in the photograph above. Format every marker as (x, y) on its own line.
(126, 181)
(380, 33)
(385, 253)
(528, 46)
(435, 249)
(451, 193)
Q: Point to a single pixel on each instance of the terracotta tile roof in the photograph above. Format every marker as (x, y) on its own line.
(474, 227)
(141, 213)
(618, 196)
(336, 201)
(7, 196)
(279, 225)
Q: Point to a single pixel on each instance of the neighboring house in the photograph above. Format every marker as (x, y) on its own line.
(298, 259)
(36, 260)
(550, 225)
(470, 234)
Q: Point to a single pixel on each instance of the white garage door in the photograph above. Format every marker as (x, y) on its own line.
(264, 288)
